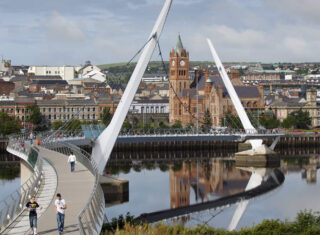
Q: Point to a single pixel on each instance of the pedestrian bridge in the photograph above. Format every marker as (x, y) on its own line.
(50, 173)
(89, 133)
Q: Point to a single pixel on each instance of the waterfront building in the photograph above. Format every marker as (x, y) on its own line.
(108, 102)
(282, 106)
(190, 99)
(64, 110)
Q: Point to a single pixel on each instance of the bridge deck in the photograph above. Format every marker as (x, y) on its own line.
(75, 188)
(44, 198)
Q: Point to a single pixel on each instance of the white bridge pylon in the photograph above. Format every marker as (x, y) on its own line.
(104, 144)
(234, 98)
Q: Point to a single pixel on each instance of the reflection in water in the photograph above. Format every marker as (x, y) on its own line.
(9, 171)
(157, 185)
(9, 174)
(209, 180)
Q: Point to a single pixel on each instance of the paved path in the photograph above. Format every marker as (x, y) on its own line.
(75, 188)
(44, 198)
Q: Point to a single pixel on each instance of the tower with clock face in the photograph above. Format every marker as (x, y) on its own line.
(179, 76)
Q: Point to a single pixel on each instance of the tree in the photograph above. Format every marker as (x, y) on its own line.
(106, 116)
(34, 116)
(177, 124)
(270, 123)
(56, 125)
(74, 125)
(231, 121)
(207, 120)
(297, 119)
(126, 125)
(8, 124)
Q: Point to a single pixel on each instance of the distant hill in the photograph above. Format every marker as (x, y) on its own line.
(155, 65)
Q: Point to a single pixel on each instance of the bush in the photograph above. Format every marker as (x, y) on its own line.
(306, 222)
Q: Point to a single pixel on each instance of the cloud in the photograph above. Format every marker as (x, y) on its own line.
(295, 45)
(60, 28)
(298, 9)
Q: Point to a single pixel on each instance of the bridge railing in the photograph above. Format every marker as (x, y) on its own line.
(194, 131)
(13, 204)
(90, 219)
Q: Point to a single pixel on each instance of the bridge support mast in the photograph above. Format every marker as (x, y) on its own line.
(258, 148)
(104, 143)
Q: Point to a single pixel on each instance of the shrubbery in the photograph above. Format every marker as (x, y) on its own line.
(306, 222)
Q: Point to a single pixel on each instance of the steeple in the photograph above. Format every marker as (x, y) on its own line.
(179, 46)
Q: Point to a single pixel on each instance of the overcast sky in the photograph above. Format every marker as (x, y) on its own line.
(58, 32)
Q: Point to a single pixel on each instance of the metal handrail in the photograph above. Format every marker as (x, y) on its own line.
(13, 205)
(90, 219)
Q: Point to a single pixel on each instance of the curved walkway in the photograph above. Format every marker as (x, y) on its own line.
(75, 188)
(44, 198)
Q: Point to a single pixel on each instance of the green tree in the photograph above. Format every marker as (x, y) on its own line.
(8, 124)
(207, 119)
(270, 123)
(35, 115)
(56, 125)
(231, 121)
(177, 124)
(297, 119)
(106, 116)
(126, 125)
(74, 125)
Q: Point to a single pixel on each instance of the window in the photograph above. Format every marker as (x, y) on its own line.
(93, 116)
(157, 109)
(44, 109)
(60, 109)
(49, 109)
(55, 117)
(88, 109)
(88, 116)
(54, 110)
(82, 116)
(93, 109)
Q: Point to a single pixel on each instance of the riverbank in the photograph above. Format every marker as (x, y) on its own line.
(306, 222)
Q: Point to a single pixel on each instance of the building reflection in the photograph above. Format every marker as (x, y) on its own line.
(308, 167)
(208, 181)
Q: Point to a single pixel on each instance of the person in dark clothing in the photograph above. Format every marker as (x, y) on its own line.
(32, 206)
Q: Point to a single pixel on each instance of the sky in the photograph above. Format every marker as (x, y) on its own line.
(69, 32)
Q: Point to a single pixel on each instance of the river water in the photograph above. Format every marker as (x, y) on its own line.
(162, 185)
(9, 175)
(166, 184)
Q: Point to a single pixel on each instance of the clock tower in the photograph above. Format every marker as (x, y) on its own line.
(179, 74)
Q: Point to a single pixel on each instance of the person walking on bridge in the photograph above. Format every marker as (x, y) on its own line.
(72, 159)
(32, 206)
(61, 206)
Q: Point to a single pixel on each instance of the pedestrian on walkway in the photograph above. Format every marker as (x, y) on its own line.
(72, 159)
(22, 144)
(32, 206)
(31, 138)
(60, 205)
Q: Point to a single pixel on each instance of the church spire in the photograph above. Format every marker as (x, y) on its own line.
(179, 46)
